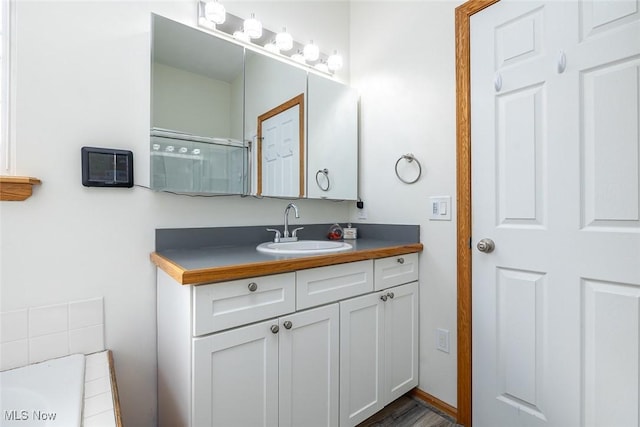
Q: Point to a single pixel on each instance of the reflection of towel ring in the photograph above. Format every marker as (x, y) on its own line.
(324, 172)
(409, 158)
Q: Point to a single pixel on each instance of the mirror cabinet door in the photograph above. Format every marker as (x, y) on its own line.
(275, 94)
(196, 111)
(332, 140)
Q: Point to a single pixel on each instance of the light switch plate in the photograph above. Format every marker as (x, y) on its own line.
(362, 213)
(440, 208)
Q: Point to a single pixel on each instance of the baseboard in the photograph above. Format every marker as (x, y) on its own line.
(435, 402)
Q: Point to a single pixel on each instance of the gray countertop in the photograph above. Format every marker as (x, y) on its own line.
(220, 256)
(205, 255)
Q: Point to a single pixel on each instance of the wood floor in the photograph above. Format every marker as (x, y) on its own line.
(408, 411)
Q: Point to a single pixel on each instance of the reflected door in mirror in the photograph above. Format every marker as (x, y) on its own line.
(281, 150)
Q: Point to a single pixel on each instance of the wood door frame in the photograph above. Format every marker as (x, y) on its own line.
(299, 101)
(463, 191)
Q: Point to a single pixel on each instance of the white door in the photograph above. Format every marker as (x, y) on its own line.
(309, 371)
(235, 377)
(401, 340)
(556, 184)
(361, 358)
(281, 154)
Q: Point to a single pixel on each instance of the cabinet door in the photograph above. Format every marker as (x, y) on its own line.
(309, 372)
(401, 340)
(235, 377)
(361, 358)
(332, 139)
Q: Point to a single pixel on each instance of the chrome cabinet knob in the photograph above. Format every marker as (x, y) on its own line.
(383, 297)
(400, 260)
(253, 286)
(391, 295)
(486, 245)
(287, 324)
(275, 328)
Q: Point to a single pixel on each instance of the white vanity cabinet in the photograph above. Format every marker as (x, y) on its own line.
(277, 372)
(379, 343)
(314, 347)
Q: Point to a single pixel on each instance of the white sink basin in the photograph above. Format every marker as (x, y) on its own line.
(302, 247)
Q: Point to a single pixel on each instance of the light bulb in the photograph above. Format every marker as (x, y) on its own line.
(334, 62)
(311, 52)
(322, 66)
(253, 27)
(241, 36)
(284, 41)
(215, 12)
(298, 57)
(272, 47)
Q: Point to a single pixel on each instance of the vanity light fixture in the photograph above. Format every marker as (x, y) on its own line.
(322, 66)
(334, 63)
(240, 35)
(212, 16)
(253, 27)
(215, 12)
(311, 52)
(284, 40)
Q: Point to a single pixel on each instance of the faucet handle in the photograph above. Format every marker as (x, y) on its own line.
(276, 238)
(295, 230)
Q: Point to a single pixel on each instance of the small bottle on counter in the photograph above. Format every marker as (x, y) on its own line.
(350, 232)
(335, 232)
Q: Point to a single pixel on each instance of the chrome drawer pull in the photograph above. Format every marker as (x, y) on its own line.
(400, 260)
(253, 286)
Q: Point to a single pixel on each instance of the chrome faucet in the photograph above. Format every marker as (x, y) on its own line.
(285, 237)
(286, 218)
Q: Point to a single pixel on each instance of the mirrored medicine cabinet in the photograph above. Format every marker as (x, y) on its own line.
(226, 119)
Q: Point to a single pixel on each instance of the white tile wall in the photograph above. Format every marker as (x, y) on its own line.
(36, 334)
(48, 320)
(14, 325)
(98, 397)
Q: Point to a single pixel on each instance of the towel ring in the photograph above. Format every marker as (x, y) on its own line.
(324, 172)
(409, 158)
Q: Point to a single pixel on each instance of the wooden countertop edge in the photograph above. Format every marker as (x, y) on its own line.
(243, 271)
(114, 390)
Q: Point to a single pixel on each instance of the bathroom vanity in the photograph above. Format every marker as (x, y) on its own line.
(297, 340)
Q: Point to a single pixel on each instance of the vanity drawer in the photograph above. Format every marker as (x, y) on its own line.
(322, 285)
(395, 270)
(225, 305)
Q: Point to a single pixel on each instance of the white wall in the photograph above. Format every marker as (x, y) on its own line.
(83, 79)
(193, 103)
(403, 64)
